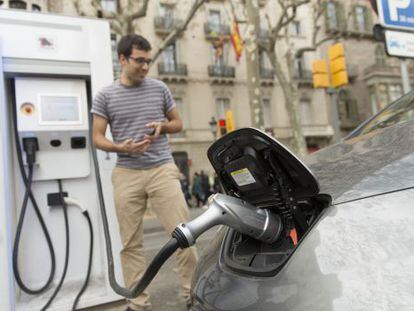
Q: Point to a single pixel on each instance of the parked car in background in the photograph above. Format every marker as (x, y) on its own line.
(354, 229)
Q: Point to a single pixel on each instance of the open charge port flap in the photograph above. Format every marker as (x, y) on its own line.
(256, 168)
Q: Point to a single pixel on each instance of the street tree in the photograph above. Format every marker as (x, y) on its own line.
(283, 59)
(252, 63)
(123, 19)
(283, 53)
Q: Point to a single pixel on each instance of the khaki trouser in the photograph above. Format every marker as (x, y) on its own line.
(132, 189)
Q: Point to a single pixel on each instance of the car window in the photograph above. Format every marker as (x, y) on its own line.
(400, 111)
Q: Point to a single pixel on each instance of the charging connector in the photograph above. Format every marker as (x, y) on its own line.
(30, 146)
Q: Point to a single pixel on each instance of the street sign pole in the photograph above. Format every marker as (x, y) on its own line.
(405, 76)
(397, 18)
(333, 94)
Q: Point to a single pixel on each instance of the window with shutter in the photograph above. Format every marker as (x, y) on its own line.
(360, 18)
(222, 104)
(17, 4)
(331, 16)
(380, 56)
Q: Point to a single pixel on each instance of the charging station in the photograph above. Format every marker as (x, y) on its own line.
(51, 66)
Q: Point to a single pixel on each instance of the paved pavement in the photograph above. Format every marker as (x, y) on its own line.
(164, 289)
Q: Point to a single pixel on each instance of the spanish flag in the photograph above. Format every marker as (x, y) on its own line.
(236, 40)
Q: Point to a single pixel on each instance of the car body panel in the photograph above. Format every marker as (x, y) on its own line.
(378, 162)
(359, 256)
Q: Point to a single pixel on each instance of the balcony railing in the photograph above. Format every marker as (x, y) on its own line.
(164, 25)
(175, 69)
(213, 30)
(221, 71)
(382, 70)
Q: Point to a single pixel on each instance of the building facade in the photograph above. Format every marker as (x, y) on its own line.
(201, 70)
(375, 78)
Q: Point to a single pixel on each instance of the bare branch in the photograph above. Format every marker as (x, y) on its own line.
(285, 17)
(78, 8)
(319, 10)
(233, 11)
(142, 12)
(104, 13)
(179, 29)
(116, 27)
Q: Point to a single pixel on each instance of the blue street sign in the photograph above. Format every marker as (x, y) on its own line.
(396, 13)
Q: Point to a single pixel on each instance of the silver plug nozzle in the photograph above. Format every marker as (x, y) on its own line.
(222, 209)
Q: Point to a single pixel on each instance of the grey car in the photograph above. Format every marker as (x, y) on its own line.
(348, 214)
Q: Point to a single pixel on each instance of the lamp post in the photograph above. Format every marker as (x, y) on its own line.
(213, 126)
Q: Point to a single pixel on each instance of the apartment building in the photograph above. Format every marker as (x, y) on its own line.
(201, 70)
(375, 78)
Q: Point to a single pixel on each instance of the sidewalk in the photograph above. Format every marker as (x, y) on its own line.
(151, 223)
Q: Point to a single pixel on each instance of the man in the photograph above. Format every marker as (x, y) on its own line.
(140, 112)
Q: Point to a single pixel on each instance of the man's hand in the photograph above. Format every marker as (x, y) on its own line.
(130, 147)
(157, 126)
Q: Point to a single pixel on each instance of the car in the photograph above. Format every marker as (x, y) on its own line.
(348, 213)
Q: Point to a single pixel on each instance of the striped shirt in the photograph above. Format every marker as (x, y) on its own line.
(128, 109)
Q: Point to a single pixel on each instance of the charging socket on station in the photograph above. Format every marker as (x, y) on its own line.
(54, 199)
(78, 142)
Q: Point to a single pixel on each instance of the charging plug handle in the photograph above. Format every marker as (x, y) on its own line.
(257, 223)
(30, 146)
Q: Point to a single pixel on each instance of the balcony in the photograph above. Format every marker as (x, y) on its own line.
(381, 74)
(172, 72)
(382, 71)
(361, 33)
(303, 77)
(164, 25)
(214, 31)
(221, 73)
(266, 76)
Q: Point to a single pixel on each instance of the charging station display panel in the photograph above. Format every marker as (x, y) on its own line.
(55, 112)
(59, 109)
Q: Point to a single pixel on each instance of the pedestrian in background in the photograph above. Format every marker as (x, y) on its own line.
(205, 185)
(197, 189)
(184, 188)
(140, 112)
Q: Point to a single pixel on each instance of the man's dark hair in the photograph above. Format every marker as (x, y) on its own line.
(128, 42)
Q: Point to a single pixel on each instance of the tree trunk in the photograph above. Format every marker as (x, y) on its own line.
(291, 96)
(252, 64)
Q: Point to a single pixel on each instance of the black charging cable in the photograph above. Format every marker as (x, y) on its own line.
(88, 274)
(65, 266)
(169, 248)
(29, 143)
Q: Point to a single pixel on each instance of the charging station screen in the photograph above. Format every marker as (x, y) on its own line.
(59, 109)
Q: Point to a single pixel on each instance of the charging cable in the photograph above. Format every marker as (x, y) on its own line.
(30, 146)
(71, 201)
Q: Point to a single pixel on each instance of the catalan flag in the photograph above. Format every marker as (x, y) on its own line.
(236, 40)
